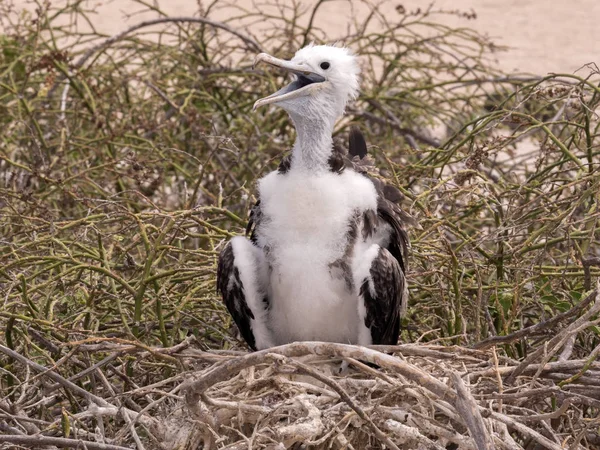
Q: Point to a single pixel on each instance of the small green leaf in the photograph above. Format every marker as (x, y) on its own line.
(65, 423)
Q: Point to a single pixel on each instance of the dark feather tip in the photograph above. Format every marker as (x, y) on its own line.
(356, 143)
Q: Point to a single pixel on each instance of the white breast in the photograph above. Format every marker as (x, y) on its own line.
(305, 220)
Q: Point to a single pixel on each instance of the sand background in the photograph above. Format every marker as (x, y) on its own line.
(542, 35)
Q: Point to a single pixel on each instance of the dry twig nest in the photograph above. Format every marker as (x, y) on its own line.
(418, 397)
(400, 397)
(323, 395)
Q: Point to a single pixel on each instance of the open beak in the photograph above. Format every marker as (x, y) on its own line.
(306, 81)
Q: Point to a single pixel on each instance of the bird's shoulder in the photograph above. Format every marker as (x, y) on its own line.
(355, 158)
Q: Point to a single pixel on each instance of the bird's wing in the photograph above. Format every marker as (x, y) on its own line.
(390, 214)
(230, 285)
(241, 274)
(382, 292)
(384, 289)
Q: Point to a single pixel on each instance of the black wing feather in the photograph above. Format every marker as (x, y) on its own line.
(398, 241)
(231, 288)
(357, 146)
(253, 221)
(382, 293)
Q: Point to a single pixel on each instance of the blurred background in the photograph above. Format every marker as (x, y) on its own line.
(541, 36)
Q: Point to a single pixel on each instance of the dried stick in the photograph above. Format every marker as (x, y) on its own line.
(54, 376)
(433, 429)
(407, 434)
(438, 351)
(538, 327)
(203, 20)
(468, 408)
(556, 366)
(556, 339)
(553, 415)
(85, 372)
(117, 37)
(39, 441)
(67, 384)
(231, 367)
(17, 414)
(340, 391)
(525, 430)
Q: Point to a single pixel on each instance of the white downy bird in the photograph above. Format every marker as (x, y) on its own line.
(326, 259)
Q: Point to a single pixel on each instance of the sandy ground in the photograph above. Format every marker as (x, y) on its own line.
(542, 35)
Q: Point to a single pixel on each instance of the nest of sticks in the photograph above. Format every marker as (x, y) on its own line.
(323, 395)
(400, 397)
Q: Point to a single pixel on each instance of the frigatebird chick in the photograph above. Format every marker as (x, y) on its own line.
(326, 259)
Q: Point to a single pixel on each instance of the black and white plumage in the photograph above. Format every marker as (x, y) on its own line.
(326, 258)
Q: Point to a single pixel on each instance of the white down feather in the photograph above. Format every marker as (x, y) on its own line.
(303, 230)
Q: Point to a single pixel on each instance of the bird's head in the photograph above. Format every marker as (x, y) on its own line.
(325, 79)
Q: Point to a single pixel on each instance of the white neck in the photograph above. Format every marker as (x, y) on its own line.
(314, 142)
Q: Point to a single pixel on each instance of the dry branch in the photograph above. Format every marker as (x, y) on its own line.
(39, 441)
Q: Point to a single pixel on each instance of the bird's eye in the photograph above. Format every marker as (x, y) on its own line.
(324, 65)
